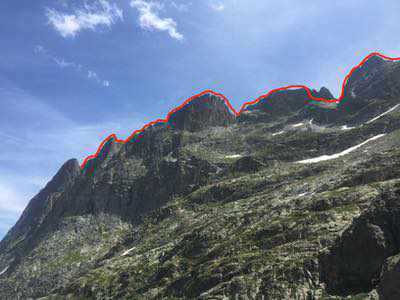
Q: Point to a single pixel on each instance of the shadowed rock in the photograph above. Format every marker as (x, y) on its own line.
(389, 287)
(203, 112)
(109, 149)
(41, 204)
(378, 80)
(319, 111)
(246, 164)
(323, 93)
(372, 72)
(283, 102)
(354, 263)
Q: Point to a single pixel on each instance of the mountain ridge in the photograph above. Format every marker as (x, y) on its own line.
(211, 204)
(312, 95)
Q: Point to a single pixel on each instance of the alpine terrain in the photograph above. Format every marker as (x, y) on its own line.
(292, 199)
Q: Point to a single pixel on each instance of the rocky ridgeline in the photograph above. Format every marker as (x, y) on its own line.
(213, 206)
(201, 113)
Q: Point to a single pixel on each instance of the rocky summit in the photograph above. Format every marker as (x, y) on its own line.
(292, 199)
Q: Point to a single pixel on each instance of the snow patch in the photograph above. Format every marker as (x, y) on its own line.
(297, 125)
(4, 270)
(333, 156)
(278, 133)
(385, 113)
(127, 251)
(345, 127)
(233, 156)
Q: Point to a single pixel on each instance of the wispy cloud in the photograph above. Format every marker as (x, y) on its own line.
(217, 6)
(62, 63)
(39, 49)
(93, 75)
(150, 19)
(182, 7)
(100, 13)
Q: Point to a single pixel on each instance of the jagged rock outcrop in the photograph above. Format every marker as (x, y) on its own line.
(324, 93)
(283, 102)
(42, 204)
(280, 104)
(203, 112)
(21, 239)
(389, 287)
(376, 78)
(110, 148)
(246, 164)
(324, 113)
(294, 105)
(354, 263)
(372, 89)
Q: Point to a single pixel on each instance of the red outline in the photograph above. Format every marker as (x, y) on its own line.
(243, 106)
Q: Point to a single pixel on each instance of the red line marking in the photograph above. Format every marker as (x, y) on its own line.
(237, 113)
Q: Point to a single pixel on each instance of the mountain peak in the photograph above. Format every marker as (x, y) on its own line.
(39, 205)
(283, 101)
(202, 112)
(374, 61)
(276, 105)
(69, 171)
(371, 73)
(323, 93)
(109, 149)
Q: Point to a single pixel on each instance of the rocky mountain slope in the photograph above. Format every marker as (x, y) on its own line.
(293, 199)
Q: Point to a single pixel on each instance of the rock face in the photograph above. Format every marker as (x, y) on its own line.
(323, 93)
(374, 79)
(109, 149)
(42, 203)
(390, 277)
(247, 164)
(275, 106)
(372, 89)
(214, 206)
(353, 265)
(283, 102)
(201, 113)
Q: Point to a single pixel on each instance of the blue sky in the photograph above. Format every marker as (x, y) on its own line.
(72, 72)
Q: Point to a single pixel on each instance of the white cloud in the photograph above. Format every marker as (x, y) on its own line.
(101, 13)
(149, 18)
(106, 83)
(217, 6)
